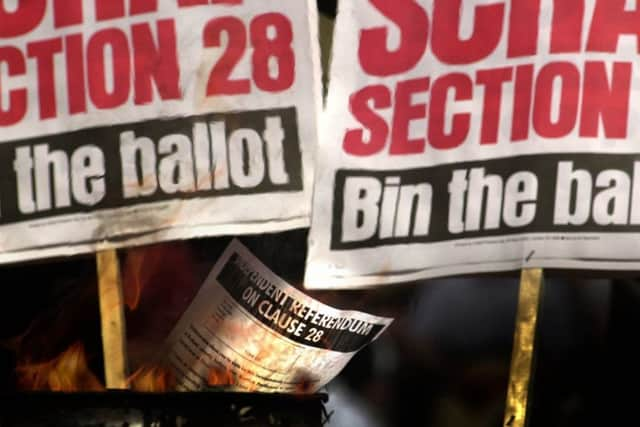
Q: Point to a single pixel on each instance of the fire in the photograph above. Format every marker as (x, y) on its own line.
(219, 377)
(151, 379)
(140, 265)
(151, 273)
(267, 353)
(67, 372)
(159, 282)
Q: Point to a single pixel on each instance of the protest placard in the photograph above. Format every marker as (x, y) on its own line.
(472, 136)
(130, 122)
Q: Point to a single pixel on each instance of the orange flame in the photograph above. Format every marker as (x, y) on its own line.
(138, 270)
(219, 377)
(151, 379)
(153, 271)
(67, 372)
(150, 275)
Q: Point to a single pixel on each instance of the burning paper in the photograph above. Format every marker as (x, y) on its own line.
(248, 330)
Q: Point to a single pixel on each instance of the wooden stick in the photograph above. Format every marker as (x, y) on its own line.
(523, 347)
(114, 336)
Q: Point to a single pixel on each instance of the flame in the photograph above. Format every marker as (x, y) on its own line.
(268, 351)
(67, 372)
(153, 302)
(150, 276)
(140, 265)
(159, 283)
(151, 273)
(221, 377)
(151, 379)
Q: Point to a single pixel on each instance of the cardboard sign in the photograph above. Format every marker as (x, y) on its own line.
(132, 121)
(473, 136)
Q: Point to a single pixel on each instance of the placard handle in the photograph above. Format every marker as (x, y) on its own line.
(114, 335)
(524, 347)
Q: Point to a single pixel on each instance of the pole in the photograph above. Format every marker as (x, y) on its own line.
(114, 337)
(524, 338)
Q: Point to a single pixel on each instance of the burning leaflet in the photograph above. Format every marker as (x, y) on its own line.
(248, 330)
(283, 311)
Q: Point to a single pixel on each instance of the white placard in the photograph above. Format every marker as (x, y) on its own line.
(473, 136)
(133, 121)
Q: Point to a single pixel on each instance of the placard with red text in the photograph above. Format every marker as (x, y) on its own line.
(133, 121)
(477, 136)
